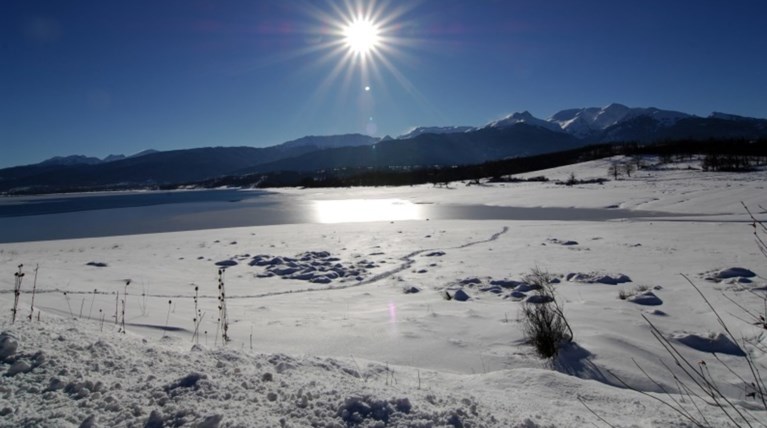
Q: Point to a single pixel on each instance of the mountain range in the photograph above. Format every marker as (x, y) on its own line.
(516, 135)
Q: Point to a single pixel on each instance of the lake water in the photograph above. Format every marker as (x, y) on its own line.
(34, 218)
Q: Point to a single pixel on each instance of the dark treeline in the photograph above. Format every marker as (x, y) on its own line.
(731, 155)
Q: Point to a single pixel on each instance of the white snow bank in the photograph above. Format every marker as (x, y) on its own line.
(81, 376)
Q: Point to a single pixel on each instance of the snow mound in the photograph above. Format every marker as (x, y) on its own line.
(718, 344)
(648, 298)
(731, 273)
(597, 278)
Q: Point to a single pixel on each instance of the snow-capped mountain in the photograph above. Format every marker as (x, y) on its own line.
(592, 123)
(435, 130)
(586, 122)
(526, 118)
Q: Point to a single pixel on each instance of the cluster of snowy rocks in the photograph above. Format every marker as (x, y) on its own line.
(521, 290)
(319, 267)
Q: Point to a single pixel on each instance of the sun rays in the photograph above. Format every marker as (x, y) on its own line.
(359, 49)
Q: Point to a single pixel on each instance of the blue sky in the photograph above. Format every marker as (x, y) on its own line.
(104, 77)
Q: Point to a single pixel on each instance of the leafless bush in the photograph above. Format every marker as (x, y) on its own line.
(544, 322)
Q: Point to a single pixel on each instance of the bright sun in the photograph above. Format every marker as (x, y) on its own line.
(361, 36)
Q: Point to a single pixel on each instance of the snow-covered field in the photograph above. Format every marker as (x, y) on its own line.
(323, 333)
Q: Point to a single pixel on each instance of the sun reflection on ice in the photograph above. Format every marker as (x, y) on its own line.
(365, 210)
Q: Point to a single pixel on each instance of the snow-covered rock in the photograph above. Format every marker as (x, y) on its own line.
(647, 298)
(461, 296)
(732, 272)
(8, 345)
(597, 278)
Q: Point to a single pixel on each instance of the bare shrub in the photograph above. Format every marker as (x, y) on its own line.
(544, 323)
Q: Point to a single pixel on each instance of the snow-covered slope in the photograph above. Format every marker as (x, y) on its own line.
(526, 118)
(588, 121)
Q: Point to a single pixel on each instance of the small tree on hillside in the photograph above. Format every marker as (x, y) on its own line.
(628, 168)
(615, 170)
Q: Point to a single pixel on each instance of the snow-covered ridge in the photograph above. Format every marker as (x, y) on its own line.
(526, 118)
(414, 132)
(585, 121)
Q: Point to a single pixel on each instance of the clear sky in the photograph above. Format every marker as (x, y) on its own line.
(102, 77)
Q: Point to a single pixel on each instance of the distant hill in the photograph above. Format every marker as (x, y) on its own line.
(156, 168)
(330, 141)
(174, 166)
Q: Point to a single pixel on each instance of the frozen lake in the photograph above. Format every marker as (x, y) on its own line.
(34, 218)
